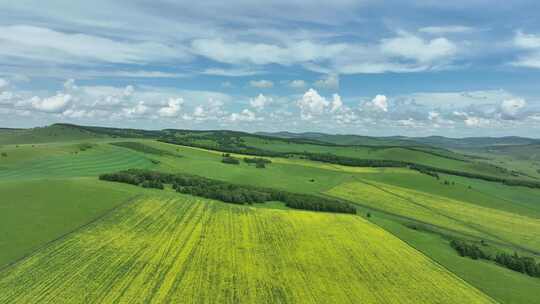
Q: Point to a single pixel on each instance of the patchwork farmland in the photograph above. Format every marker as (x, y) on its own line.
(71, 237)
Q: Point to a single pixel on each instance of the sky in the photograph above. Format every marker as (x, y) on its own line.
(380, 68)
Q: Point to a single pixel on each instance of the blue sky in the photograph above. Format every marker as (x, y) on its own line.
(462, 68)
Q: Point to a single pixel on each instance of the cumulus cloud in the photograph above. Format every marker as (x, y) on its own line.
(53, 104)
(138, 110)
(244, 115)
(511, 107)
(174, 105)
(471, 120)
(213, 110)
(378, 103)
(331, 81)
(312, 104)
(259, 102)
(261, 84)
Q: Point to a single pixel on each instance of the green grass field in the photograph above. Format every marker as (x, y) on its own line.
(36, 211)
(68, 161)
(193, 251)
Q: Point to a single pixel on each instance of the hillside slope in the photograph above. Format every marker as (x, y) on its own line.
(52, 133)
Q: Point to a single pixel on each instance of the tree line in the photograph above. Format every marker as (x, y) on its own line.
(433, 171)
(140, 147)
(227, 192)
(226, 145)
(523, 264)
(228, 159)
(258, 161)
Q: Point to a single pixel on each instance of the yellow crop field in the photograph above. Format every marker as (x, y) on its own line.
(448, 213)
(186, 250)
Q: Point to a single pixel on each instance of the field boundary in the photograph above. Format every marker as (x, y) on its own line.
(440, 265)
(68, 233)
(441, 229)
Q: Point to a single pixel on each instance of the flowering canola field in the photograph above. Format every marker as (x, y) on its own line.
(183, 249)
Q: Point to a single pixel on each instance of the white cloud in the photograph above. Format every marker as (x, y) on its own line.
(128, 91)
(227, 84)
(345, 117)
(53, 104)
(409, 46)
(71, 113)
(510, 107)
(132, 74)
(449, 29)
(348, 58)
(237, 72)
(331, 81)
(530, 61)
(259, 102)
(530, 43)
(297, 84)
(379, 103)
(312, 104)
(3, 84)
(409, 123)
(473, 121)
(527, 41)
(244, 115)
(432, 115)
(261, 84)
(241, 52)
(336, 103)
(213, 110)
(174, 105)
(136, 111)
(452, 100)
(46, 45)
